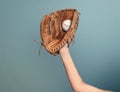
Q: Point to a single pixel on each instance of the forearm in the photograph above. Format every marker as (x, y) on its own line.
(74, 77)
(71, 71)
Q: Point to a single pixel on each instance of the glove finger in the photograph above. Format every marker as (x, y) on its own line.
(44, 27)
(56, 27)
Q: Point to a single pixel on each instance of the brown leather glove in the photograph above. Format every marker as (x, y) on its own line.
(51, 31)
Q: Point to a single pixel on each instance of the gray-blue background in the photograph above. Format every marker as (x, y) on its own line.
(96, 51)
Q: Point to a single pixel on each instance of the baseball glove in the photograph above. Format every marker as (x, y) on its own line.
(53, 36)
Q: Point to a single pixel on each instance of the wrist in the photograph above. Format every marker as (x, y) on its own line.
(64, 51)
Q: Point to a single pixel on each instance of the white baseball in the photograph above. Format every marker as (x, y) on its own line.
(66, 24)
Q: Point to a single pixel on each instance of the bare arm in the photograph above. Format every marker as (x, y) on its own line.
(76, 82)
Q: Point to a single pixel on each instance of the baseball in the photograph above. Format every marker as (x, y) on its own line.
(66, 24)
